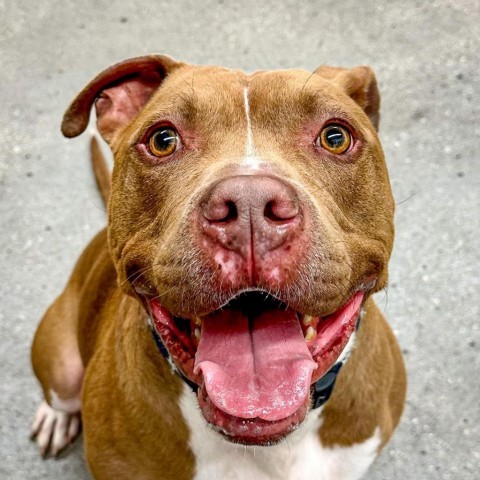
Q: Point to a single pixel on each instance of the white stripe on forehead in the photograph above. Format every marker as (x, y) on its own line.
(250, 160)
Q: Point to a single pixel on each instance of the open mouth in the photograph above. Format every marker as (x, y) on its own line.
(255, 360)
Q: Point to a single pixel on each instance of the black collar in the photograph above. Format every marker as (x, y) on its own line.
(321, 389)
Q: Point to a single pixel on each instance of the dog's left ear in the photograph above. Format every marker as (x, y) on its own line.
(119, 93)
(360, 84)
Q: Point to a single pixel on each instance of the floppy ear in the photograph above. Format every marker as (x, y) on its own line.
(119, 93)
(360, 84)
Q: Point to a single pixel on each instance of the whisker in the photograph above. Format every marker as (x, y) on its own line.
(406, 199)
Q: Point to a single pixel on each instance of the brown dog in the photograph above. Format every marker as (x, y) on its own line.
(250, 220)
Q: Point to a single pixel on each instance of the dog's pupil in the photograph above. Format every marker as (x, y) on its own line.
(335, 137)
(164, 139)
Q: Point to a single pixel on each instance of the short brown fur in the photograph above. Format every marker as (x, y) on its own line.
(130, 397)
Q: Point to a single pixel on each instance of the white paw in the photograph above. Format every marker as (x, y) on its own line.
(54, 430)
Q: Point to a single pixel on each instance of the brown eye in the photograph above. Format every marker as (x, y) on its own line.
(163, 142)
(335, 139)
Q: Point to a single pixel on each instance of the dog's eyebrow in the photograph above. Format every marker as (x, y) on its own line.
(312, 101)
(316, 102)
(186, 104)
(181, 105)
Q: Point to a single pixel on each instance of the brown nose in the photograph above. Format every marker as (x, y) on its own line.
(251, 214)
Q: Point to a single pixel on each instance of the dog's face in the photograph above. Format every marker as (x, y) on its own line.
(251, 215)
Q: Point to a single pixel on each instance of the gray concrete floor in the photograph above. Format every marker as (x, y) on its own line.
(426, 56)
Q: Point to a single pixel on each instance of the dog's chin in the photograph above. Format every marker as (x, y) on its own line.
(255, 360)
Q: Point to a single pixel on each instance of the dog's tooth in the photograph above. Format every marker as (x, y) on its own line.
(198, 321)
(197, 334)
(307, 320)
(310, 334)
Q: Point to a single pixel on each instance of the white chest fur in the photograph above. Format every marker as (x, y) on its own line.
(300, 457)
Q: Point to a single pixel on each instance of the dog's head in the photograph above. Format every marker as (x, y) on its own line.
(252, 215)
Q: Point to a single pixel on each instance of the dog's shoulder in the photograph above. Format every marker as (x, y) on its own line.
(95, 281)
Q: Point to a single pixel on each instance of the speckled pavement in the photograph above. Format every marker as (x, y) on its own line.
(426, 57)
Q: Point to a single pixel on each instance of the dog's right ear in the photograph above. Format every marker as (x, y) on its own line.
(360, 84)
(119, 93)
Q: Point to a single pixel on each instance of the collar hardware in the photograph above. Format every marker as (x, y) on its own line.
(322, 389)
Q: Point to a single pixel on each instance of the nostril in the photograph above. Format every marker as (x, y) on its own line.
(221, 212)
(280, 211)
(232, 213)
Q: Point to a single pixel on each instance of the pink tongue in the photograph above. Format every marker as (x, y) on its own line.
(260, 368)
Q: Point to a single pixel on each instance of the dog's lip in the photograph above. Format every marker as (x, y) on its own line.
(253, 431)
(182, 350)
(166, 326)
(147, 293)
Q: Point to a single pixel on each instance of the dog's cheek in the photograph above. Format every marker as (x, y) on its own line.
(129, 215)
(354, 206)
(144, 226)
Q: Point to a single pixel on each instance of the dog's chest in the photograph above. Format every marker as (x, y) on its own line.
(301, 457)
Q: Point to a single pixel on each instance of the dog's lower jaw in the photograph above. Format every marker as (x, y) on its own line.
(250, 432)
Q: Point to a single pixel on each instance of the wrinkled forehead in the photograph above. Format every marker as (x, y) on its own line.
(203, 94)
(199, 94)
